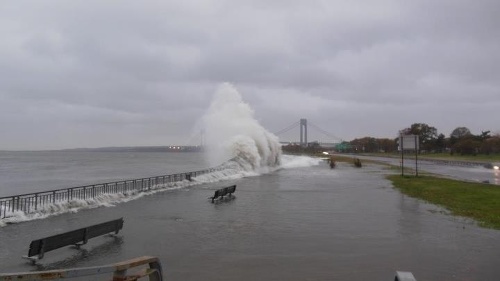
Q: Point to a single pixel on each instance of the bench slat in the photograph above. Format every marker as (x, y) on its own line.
(104, 228)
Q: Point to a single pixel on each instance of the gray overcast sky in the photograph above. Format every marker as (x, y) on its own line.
(125, 73)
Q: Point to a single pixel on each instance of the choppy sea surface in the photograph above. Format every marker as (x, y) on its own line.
(303, 221)
(31, 171)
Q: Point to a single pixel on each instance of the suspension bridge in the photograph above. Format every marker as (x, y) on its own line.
(323, 137)
(298, 133)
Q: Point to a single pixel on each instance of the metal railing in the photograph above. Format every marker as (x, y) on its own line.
(32, 202)
(119, 271)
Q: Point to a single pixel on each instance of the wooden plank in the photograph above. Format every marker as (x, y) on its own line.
(118, 270)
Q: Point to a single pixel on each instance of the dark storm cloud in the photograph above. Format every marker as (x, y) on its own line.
(94, 73)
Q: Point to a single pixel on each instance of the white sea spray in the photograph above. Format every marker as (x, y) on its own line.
(232, 132)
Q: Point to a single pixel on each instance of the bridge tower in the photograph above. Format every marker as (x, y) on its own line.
(303, 132)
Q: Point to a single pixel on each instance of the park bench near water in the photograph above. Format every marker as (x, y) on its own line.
(220, 193)
(76, 237)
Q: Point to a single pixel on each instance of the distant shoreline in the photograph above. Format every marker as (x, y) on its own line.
(122, 149)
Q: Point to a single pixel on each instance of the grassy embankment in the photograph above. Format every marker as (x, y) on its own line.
(471, 158)
(445, 156)
(473, 200)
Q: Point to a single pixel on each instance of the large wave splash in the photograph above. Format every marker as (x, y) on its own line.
(232, 132)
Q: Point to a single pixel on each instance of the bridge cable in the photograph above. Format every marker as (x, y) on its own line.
(323, 131)
(293, 126)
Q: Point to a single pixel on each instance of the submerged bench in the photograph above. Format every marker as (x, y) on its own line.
(76, 237)
(223, 192)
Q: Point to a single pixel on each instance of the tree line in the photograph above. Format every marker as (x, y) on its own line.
(460, 141)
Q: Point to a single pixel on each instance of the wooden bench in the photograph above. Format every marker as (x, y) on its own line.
(223, 192)
(76, 237)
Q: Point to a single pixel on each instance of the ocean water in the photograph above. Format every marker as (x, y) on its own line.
(300, 220)
(32, 171)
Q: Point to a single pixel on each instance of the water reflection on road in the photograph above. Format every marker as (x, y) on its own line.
(472, 173)
(295, 224)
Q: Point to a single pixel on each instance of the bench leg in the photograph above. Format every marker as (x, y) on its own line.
(31, 259)
(42, 250)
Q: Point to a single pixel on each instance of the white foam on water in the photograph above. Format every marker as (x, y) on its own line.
(293, 161)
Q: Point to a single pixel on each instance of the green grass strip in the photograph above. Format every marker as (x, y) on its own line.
(473, 200)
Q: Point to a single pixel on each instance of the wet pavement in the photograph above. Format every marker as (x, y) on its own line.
(295, 224)
(468, 173)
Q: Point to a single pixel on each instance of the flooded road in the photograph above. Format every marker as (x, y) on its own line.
(468, 173)
(294, 224)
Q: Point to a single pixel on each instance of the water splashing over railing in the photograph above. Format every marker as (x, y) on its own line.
(43, 201)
